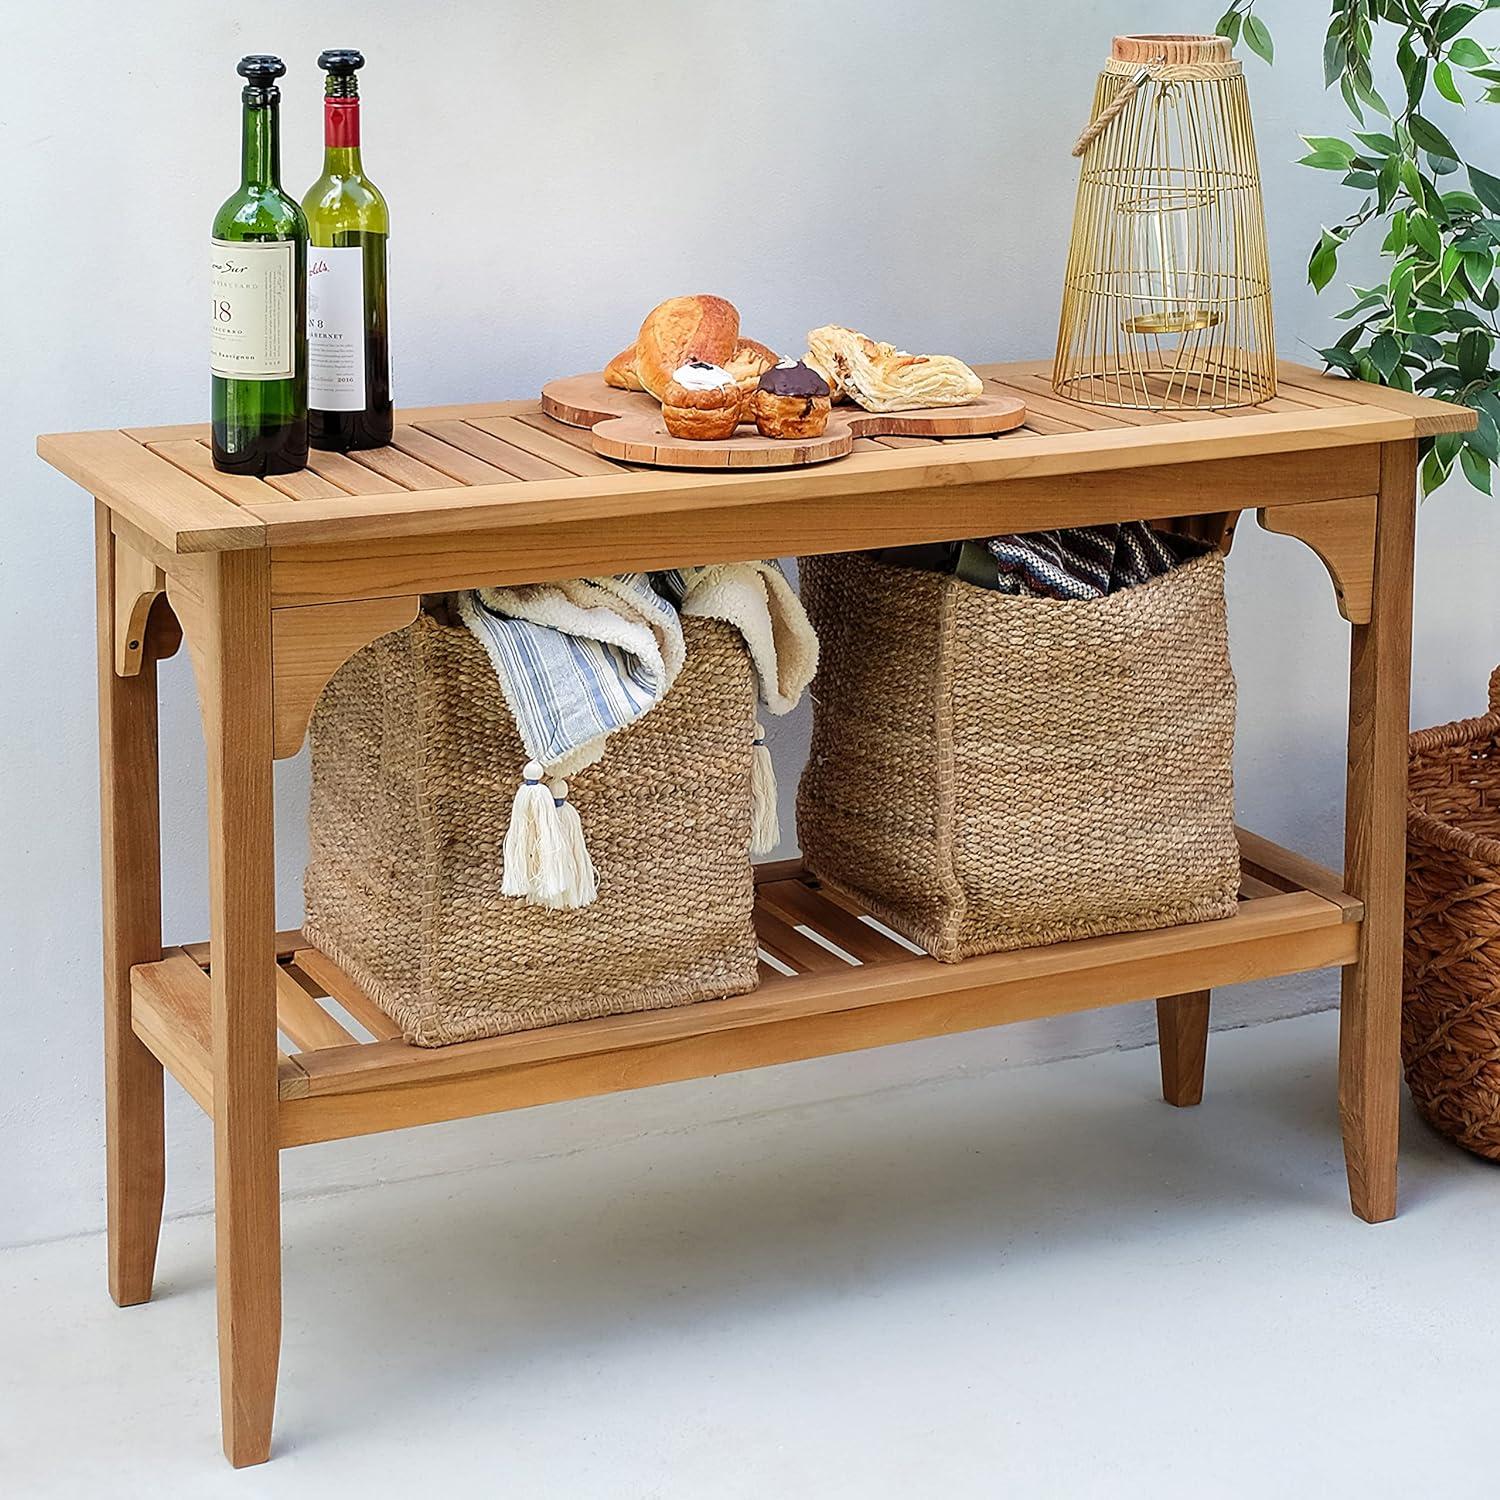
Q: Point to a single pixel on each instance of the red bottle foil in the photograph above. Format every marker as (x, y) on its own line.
(341, 122)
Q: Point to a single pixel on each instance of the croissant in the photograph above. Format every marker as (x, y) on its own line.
(880, 377)
(620, 371)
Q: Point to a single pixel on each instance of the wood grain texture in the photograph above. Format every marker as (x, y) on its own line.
(694, 527)
(172, 1013)
(1182, 1036)
(1375, 850)
(171, 507)
(309, 645)
(832, 1012)
(130, 864)
(1342, 533)
(1275, 933)
(234, 685)
(185, 506)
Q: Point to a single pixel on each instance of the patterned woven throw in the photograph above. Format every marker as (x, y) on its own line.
(1079, 562)
(581, 659)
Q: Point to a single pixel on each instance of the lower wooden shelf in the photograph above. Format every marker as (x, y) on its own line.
(832, 980)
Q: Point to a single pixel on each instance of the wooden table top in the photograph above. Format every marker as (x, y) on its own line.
(496, 465)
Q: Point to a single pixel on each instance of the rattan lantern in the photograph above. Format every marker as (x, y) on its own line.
(1167, 298)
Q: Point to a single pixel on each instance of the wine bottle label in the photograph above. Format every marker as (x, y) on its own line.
(336, 328)
(254, 306)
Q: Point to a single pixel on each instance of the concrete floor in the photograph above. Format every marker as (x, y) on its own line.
(1036, 1283)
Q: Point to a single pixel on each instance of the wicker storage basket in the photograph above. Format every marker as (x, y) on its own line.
(1450, 1016)
(991, 772)
(415, 759)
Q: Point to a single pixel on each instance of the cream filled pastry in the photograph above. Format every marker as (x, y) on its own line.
(701, 402)
(791, 401)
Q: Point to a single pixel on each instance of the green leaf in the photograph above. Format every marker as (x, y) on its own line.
(1229, 25)
(1385, 355)
(1452, 263)
(1455, 19)
(1411, 180)
(1442, 78)
(1486, 188)
(1387, 181)
(1381, 144)
(1324, 262)
(1472, 355)
(1340, 359)
(1434, 472)
(1258, 38)
(1441, 165)
(1328, 161)
(1476, 470)
(1425, 235)
(1485, 439)
(1414, 72)
(1467, 53)
(1396, 240)
(1430, 138)
(1335, 54)
(1332, 145)
(1366, 91)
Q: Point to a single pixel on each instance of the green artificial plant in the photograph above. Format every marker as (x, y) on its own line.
(1430, 324)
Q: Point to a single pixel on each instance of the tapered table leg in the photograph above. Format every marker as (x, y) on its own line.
(1375, 849)
(233, 659)
(129, 823)
(1182, 1035)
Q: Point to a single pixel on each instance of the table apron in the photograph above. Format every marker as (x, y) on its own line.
(561, 548)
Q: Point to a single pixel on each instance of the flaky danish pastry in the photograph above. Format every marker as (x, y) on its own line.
(880, 377)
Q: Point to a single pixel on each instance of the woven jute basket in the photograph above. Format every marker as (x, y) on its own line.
(1450, 1016)
(991, 772)
(415, 760)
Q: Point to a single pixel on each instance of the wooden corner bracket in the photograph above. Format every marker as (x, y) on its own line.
(142, 629)
(1342, 533)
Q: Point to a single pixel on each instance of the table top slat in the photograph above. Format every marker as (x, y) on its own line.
(400, 468)
(458, 464)
(552, 445)
(516, 462)
(350, 477)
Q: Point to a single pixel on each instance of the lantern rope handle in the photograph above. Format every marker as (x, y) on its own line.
(1105, 117)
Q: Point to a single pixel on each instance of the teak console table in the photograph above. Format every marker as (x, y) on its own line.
(275, 583)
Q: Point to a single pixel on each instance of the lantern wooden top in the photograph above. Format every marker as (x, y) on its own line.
(1171, 48)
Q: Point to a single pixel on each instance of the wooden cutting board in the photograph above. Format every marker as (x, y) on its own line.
(628, 425)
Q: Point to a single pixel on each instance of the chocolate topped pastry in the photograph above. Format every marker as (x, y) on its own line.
(701, 402)
(790, 377)
(792, 401)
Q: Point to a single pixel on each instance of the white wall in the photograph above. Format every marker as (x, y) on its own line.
(554, 170)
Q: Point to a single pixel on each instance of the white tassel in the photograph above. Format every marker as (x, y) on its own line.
(765, 829)
(535, 855)
(581, 887)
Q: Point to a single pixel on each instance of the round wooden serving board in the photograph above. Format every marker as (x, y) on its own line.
(627, 425)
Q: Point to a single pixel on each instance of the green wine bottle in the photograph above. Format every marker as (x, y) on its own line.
(259, 332)
(348, 345)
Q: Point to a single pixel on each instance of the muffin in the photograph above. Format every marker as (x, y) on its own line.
(792, 401)
(701, 402)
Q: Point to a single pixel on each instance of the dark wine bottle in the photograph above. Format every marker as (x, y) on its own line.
(348, 345)
(259, 332)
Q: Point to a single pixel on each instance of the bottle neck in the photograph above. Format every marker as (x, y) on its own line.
(260, 150)
(341, 129)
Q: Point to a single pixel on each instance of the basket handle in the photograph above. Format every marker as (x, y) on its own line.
(1495, 691)
(1101, 122)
